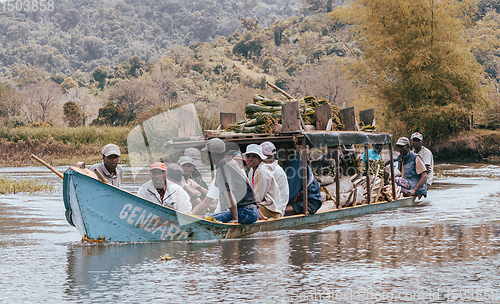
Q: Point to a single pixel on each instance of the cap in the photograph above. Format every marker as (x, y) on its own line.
(183, 160)
(255, 149)
(268, 148)
(215, 145)
(175, 173)
(195, 154)
(158, 165)
(417, 135)
(110, 149)
(403, 141)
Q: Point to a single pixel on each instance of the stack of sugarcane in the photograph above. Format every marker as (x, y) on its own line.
(263, 113)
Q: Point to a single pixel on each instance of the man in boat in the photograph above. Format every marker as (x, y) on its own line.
(264, 185)
(235, 191)
(426, 154)
(163, 192)
(195, 155)
(193, 188)
(292, 165)
(269, 150)
(109, 168)
(413, 171)
(373, 153)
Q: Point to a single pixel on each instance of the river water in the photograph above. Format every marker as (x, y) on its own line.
(447, 250)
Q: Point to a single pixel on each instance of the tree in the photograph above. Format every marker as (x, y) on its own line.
(73, 115)
(418, 63)
(100, 74)
(41, 100)
(69, 83)
(110, 115)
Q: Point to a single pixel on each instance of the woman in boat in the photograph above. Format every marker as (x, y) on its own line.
(264, 184)
(292, 165)
(235, 191)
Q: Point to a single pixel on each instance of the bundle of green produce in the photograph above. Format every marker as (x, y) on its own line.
(260, 124)
(373, 168)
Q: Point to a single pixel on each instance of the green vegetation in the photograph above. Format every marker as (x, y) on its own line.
(8, 186)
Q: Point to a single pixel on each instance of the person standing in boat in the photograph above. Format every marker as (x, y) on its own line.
(269, 150)
(413, 171)
(235, 191)
(109, 167)
(163, 192)
(292, 165)
(264, 184)
(426, 154)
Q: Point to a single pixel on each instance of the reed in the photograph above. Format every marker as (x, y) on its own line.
(10, 186)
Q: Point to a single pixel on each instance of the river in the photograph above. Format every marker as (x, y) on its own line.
(447, 250)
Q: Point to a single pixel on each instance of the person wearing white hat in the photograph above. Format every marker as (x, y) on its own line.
(426, 154)
(413, 171)
(264, 185)
(109, 168)
(269, 150)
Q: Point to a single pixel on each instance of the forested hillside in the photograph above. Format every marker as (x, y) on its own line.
(83, 34)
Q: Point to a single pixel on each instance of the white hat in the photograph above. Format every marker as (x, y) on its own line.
(185, 160)
(215, 145)
(110, 149)
(255, 149)
(417, 135)
(195, 154)
(268, 148)
(403, 141)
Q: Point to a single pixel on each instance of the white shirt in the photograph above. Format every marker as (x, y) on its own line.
(114, 179)
(282, 181)
(428, 159)
(265, 188)
(175, 197)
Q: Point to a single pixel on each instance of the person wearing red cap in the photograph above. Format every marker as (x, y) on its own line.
(163, 192)
(109, 167)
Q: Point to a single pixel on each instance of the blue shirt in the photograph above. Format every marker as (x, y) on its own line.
(372, 155)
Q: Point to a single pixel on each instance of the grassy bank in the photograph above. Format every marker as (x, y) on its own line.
(58, 145)
(474, 145)
(8, 186)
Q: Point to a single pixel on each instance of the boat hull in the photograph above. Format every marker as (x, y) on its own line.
(101, 211)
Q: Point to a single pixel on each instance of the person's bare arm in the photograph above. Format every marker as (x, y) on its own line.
(421, 182)
(203, 206)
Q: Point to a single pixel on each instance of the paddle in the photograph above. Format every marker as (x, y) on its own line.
(47, 165)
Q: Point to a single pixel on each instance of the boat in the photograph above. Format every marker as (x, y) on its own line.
(102, 212)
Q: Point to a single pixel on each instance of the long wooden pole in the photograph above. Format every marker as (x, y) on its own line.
(304, 175)
(279, 90)
(337, 176)
(393, 182)
(47, 165)
(367, 166)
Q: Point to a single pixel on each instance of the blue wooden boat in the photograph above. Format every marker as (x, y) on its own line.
(102, 212)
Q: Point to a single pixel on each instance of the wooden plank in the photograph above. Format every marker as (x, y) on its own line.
(348, 119)
(290, 117)
(186, 121)
(367, 117)
(367, 168)
(323, 114)
(226, 119)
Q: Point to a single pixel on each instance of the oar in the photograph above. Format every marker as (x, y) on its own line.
(47, 165)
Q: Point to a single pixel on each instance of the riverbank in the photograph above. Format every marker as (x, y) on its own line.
(475, 145)
(58, 145)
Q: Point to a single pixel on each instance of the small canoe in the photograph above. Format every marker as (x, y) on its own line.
(102, 212)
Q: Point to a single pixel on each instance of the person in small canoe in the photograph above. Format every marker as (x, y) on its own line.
(269, 150)
(109, 167)
(195, 155)
(413, 180)
(194, 189)
(373, 153)
(426, 154)
(163, 192)
(264, 185)
(235, 191)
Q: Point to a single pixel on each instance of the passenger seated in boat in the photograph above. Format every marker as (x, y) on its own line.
(163, 192)
(269, 150)
(264, 185)
(235, 191)
(373, 153)
(413, 180)
(109, 167)
(292, 165)
(195, 155)
(195, 190)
